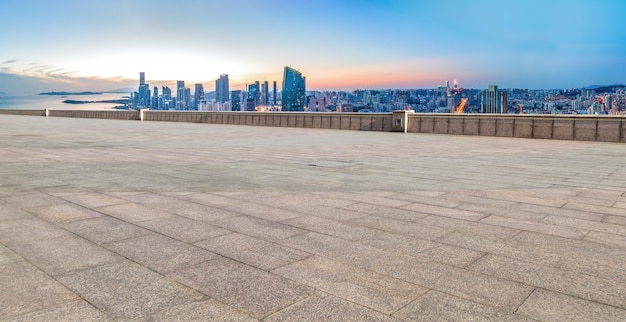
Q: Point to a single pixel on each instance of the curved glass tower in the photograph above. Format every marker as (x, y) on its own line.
(294, 88)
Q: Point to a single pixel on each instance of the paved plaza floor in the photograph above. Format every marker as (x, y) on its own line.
(126, 220)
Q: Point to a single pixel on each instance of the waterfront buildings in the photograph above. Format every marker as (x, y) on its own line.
(235, 100)
(221, 89)
(493, 100)
(294, 89)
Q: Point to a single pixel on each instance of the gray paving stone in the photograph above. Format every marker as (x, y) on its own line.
(500, 293)
(160, 253)
(7, 256)
(556, 230)
(183, 229)
(386, 212)
(27, 231)
(586, 224)
(607, 239)
(260, 228)
(131, 212)
(581, 285)
(379, 292)
(323, 307)
(65, 254)
(93, 200)
(32, 200)
(104, 230)
(70, 311)
(262, 211)
(205, 310)
(10, 212)
(126, 290)
(413, 229)
(331, 227)
(546, 305)
(445, 212)
(26, 289)
(252, 251)
(64, 213)
(249, 289)
(437, 306)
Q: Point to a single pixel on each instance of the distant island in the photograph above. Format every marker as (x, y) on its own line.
(120, 101)
(70, 93)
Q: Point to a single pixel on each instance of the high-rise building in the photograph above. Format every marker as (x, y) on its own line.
(265, 98)
(274, 94)
(198, 96)
(493, 100)
(142, 78)
(254, 94)
(235, 98)
(294, 88)
(221, 89)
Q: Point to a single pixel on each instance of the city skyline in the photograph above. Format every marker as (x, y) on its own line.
(338, 45)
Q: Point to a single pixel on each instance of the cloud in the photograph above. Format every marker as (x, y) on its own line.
(18, 77)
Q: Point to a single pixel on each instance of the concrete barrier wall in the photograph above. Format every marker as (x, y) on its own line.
(560, 127)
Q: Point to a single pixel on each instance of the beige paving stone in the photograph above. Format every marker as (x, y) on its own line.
(205, 310)
(618, 241)
(413, 229)
(69, 311)
(126, 290)
(133, 213)
(556, 230)
(544, 305)
(10, 212)
(619, 220)
(594, 209)
(331, 227)
(437, 306)
(248, 289)
(104, 230)
(385, 212)
(581, 285)
(445, 212)
(325, 307)
(252, 251)
(262, 211)
(503, 294)
(379, 292)
(26, 289)
(27, 231)
(93, 200)
(183, 229)
(260, 228)
(160, 253)
(593, 226)
(64, 213)
(32, 200)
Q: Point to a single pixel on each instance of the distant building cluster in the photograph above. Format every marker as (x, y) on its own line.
(293, 97)
(256, 97)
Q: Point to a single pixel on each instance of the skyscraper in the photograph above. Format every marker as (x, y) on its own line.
(142, 78)
(235, 97)
(198, 96)
(253, 94)
(180, 95)
(265, 93)
(294, 88)
(493, 100)
(221, 89)
(274, 94)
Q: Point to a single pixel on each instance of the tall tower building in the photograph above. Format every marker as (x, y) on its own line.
(294, 89)
(254, 93)
(274, 94)
(221, 89)
(235, 98)
(198, 96)
(265, 98)
(180, 95)
(142, 78)
(493, 100)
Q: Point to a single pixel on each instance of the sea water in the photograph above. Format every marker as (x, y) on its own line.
(40, 102)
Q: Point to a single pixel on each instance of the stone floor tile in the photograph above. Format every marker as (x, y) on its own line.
(26, 289)
(93, 200)
(607, 239)
(126, 290)
(437, 306)
(260, 228)
(572, 213)
(183, 229)
(323, 307)
(160, 253)
(586, 224)
(104, 230)
(556, 230)
(64, 213)
(505, 295)
(32, 200)
(131, 212)
(413, 229)
(331, 227)
(246, 288)
(262, 211)
(10, 212)
(29, 230)
(69, 311)
(379, 292)
(205, 310)
(445, 212)
(65, 254)
(386, 212)
(252, 251)
(544, 305)
(581, 285)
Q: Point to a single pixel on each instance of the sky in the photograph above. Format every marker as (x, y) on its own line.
(67, 45)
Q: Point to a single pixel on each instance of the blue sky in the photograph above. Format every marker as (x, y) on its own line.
(339, 44)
